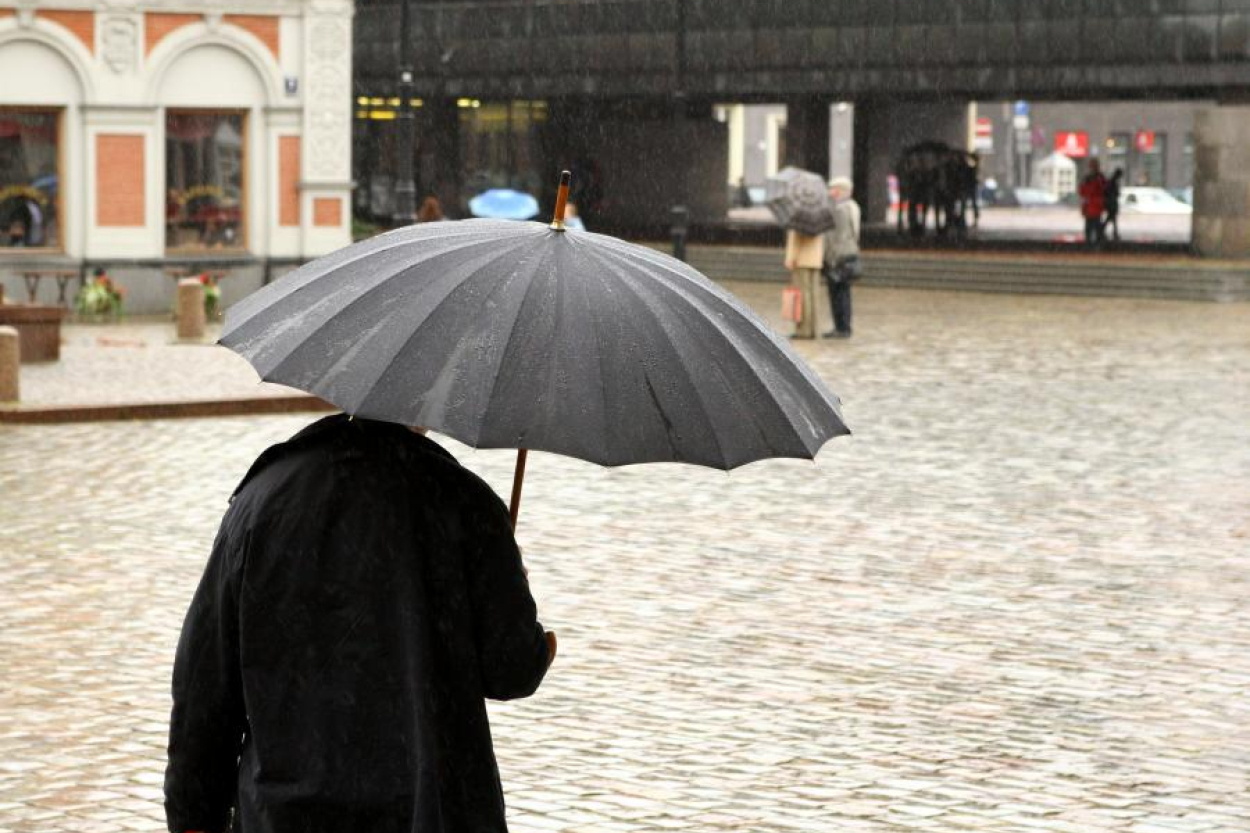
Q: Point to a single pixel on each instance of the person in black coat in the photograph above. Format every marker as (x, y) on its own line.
(1111, 204)
(363, 596)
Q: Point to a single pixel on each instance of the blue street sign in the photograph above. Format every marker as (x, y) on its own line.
(1022, 108)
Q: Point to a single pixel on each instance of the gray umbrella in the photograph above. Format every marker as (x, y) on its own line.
(511, 334)
(800, 201)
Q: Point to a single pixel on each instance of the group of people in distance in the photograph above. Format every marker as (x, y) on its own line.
(1100, 203)
(833, 255)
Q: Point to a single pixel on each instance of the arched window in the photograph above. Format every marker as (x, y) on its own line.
(204, 179)
(30, 177)
(210, 93)
(32, 144)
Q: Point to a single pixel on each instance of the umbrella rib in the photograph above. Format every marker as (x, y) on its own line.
(625, 282)
(599, 355)
(730, 305)
(804, 372)
(432, 312)
(399, 239)
(378, 286)
(599, 351)
(503, 354)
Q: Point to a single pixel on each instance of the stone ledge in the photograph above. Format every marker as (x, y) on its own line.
(247, 406)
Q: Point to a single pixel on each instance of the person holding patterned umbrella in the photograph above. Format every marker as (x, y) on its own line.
(801, 204)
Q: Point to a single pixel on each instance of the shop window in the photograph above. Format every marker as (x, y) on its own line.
(30, 179)
(205, 162)
(1117, 155)
(1150, 150)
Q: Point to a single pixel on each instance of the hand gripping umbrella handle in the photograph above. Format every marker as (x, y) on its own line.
(517, 479)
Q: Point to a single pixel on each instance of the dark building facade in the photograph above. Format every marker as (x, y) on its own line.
(529, 85)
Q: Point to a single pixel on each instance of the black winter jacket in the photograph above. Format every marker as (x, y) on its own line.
(363, 595)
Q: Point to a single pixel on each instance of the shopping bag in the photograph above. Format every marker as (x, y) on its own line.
(792, 304)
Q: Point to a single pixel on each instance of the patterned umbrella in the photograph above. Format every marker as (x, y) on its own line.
(800, 201)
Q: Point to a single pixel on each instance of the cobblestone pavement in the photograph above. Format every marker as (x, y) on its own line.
(1015, 600)
(139, 361)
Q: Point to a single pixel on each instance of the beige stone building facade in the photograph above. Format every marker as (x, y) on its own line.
(148, 137)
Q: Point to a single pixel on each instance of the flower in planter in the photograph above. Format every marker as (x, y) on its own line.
(212, 295)
(100, 297)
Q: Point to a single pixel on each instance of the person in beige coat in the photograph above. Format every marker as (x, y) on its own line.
(805, 255)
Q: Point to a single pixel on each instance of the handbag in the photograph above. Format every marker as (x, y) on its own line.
(851, 268)
(792, 304)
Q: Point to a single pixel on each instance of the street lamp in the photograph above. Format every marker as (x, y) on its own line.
(405, 210)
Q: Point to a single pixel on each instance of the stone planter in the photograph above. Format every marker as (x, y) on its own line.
(38, 327)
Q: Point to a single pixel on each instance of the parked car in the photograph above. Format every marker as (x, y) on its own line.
(1144, 200)
(1026, 197)
(1185, 195)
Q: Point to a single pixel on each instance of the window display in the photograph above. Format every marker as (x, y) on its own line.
(204, 176)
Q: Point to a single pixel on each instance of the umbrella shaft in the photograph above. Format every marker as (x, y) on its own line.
(517, 479)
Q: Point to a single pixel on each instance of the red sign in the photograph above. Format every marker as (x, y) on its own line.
(1144, 141)
(1073, 143)
(984, 140)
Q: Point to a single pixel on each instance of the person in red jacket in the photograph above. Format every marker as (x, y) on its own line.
(1093, 192)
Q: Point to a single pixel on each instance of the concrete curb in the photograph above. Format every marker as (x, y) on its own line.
(246, 406)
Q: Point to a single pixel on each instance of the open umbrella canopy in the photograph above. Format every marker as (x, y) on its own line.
(503, 204)
(800, 201)
(521, 335)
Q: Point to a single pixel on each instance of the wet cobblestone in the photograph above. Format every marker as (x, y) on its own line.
(1014, 600)
(140, 361)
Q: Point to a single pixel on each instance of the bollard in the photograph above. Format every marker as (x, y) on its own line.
(679, 216)
(10, 364)
(190, 308)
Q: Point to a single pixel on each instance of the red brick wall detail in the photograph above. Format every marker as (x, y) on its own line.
(327, 211)
(263, 26)
(157, 25)
(81, 24)
(119, 180)
(288, 180)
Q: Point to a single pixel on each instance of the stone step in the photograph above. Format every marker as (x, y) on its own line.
(1139, 277)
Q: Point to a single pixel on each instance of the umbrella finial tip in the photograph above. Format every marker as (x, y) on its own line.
(562, 196)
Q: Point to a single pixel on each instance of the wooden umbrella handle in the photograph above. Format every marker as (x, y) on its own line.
(562, 198)
(517, 479)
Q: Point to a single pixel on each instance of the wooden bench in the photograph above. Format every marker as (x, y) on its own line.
(62, 277)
